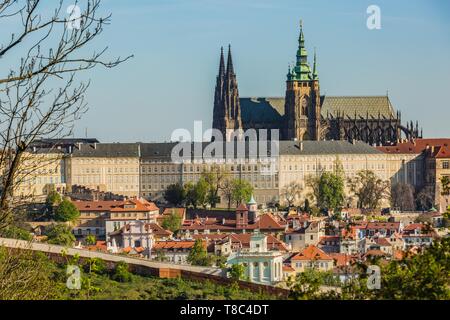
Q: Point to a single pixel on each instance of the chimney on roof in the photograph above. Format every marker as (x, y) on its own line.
(95, 145)
(300, 145)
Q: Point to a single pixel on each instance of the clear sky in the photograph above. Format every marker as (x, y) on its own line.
(176, 43)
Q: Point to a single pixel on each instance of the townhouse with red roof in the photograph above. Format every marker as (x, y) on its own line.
(418, 235)
(102, 217)
(312, 257)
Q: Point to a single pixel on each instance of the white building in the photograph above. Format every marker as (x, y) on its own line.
(261, 265)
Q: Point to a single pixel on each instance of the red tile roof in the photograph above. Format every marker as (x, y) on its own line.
(341, 259)
(383, 225)
(312, 253)
(413, 226)
(374, 253)
(416, 147)
(382, 242)
(171, 244)
(135, 205)
(129, 249)
(99, 246)
(441, 152)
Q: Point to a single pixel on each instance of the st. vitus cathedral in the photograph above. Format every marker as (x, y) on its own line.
(303, 114)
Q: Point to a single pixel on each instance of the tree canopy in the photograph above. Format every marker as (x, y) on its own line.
(369, 189)
(66, 211)
(242, 190)
(331, 191)
(175, 194)
(198, 255)
(60, 234)
(172, 222)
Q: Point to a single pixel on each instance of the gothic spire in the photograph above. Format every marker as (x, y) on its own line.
(315, 73)
(302, 68)
(230, 68)
(222, 64)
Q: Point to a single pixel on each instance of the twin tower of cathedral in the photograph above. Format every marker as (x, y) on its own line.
(302, 103)
(303, 114)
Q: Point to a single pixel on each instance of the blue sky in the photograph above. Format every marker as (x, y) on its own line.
(176, 43)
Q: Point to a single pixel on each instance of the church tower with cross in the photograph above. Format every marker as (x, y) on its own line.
(302, 101)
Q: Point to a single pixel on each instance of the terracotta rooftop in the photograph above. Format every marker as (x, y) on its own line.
(375, 253)
(131, 205)
(416, 147)
(312, 253)
(171, 244)
(382, 225)
(341, 259)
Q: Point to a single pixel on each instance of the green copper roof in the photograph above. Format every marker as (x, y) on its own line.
(302, 70)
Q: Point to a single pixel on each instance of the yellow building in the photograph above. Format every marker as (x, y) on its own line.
(111, 167)
(40, 171)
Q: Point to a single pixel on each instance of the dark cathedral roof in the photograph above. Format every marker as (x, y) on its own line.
(257, 110)
(361, 106)
(262, 109)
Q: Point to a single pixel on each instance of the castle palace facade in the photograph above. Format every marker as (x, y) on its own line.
(305, 114)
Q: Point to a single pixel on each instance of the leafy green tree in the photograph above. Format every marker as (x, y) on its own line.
(198, 255)
(14, 232)
(196, 194)
(369, 189)
(422, 276)
(51, 202)
(307, 285)
(121, 272)
(237, 272)
(214, 178)
(175, 194)
(331, 191)
(95, 265)
(66, 211)
(60, 234)
(241, 191)
(53, 199)
(26, 275)
(172, 222)
(91, 240)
